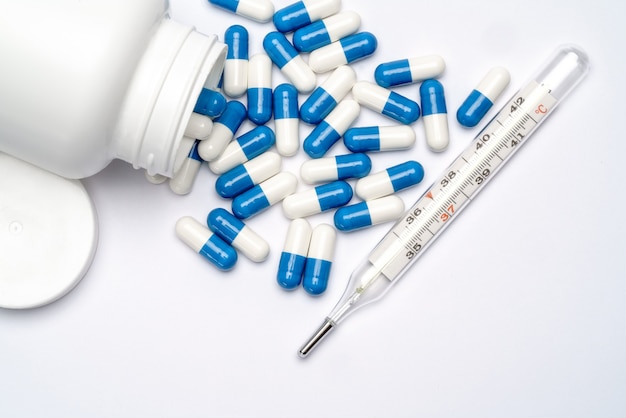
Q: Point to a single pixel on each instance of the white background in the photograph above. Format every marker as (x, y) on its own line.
(517, 311)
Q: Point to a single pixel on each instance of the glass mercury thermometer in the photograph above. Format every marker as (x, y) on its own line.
(457, 186)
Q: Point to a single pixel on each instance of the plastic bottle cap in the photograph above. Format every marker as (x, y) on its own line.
(48, 234)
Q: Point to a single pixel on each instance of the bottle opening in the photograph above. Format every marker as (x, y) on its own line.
(177, 64)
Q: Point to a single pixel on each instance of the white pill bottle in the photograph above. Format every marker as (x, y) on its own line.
(83, 82)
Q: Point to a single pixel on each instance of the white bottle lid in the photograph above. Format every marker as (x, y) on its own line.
(48, 234)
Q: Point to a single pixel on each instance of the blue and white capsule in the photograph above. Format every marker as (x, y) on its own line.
(408, 71)
(389, 181)
(345, 51)
(386, 102)
(246, 147)
(264, 195)
(185, 176)
(257, 10)
(260, 89)
(331, 129)
(247, 175)
(293, 256)
(435, 115)
(379, 138)
(304, 12)
(319, 259)
(236, 64)
(286, 58)
(339, 167)
(198, 126)
(319, 199)
(224, 128)
(369, 213)
(286, 120)
(324, 98)
(234, 232)
(326, 31)
(210, 103)
(480, 100)
(200, 239)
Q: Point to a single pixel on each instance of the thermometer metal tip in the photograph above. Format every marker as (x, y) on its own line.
(318, 336)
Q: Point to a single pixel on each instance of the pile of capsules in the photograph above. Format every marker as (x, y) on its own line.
(251, 175)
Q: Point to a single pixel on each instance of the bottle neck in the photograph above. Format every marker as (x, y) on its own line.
(176, 65)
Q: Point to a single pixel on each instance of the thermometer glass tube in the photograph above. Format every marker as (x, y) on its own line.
(457, 186)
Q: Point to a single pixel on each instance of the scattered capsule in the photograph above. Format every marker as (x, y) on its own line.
(324, 98)
(304, 12)
(326, 31)
(236, 64)
(286, 58)
(386, 102)
(369, 213)
(258, 10)
(319, 259)
(239, 235)
(293, 256)
(330, 130)
(183, 180)
(379, 138)
(224, 128)
(264, 195)
(200, 239)
(389, 181)
(435, 115)
(317, 200)
(345, 51)
(407, 71)
(480, 100)
(286, 120)
(247, 175)
(340, 167)
(245, 148)
(260, 89)
(198, 126)
(210, 103)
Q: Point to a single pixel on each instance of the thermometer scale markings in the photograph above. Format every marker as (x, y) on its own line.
(440, 204)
